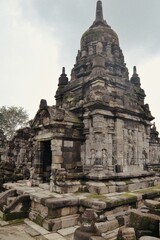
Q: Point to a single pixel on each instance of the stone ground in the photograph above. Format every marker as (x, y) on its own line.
(27, 230)
(14, 232)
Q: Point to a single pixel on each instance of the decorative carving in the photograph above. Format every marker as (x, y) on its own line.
(88, 227)
(60, 176)
(93, 156)
(104, 157)
(99, 48)
(144, 157)
(58, 115)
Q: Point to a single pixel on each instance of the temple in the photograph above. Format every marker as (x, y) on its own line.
(100, 127)
(99, 137)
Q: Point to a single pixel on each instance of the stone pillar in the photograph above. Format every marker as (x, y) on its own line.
(38, 164)
(119, 141)
(147, 142)
(98, 129)
(140, 147)
(136, 146)
(110, 142)
(57, 159)
(110, 146)
(86, 151)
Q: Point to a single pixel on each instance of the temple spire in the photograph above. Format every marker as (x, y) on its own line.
(134, 70)
(135, 78)
(63, 70)
(63, 79)
(99, 12)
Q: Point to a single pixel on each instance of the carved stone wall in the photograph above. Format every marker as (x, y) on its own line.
(115, 141)
(154, 146)
(17, 156)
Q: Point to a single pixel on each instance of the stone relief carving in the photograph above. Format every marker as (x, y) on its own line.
(144, 157)
(129, 147)
(96, 93)
(99, 157)
(104, 157)
(58, 114)
(99, 48)
(93, 156)
(59, 176)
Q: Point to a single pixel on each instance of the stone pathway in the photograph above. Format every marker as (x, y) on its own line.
(31, 231)
(14, 232)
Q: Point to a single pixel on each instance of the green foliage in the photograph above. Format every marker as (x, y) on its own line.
(11, 119)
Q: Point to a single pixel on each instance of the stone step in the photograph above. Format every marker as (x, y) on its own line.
(67, 231)
(44, 186)
(111, 235)
(52, 236)
(148, 238)
(36, 227)
(40, 233)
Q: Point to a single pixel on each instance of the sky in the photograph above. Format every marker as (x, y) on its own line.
(39, 37)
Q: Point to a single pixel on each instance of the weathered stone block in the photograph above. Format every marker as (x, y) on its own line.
(148, 238)
(69, 221)
(97, 187)
(152, 204)
(95, 204)
(69, 211)
(58, 159)
(111, 189)
(61, 202)
(107, 226)
(68, 144)
(126, 234)
(144, 221)
(132, 187)
(52, 225)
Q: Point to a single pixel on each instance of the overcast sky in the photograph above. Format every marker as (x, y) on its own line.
(39, 37)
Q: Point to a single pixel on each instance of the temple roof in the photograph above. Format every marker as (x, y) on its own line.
(49, 115)
(99, 30)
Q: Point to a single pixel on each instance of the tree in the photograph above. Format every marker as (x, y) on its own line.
(11, 119)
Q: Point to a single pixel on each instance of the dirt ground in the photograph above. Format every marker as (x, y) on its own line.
(14, 232)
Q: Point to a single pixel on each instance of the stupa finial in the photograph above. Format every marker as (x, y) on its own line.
(63, 70)
(134, 70)
(99, 12)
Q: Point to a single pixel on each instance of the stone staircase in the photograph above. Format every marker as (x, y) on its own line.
(13, 206)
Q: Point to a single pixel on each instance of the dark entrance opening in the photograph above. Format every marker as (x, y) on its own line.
(47, 160)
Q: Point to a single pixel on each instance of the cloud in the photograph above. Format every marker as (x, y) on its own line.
(30, 52)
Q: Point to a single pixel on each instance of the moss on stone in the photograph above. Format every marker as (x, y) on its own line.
(16, 221)
(39, 220)
(97, 196)
(14, 216)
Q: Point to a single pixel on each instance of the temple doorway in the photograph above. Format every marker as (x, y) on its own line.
(46, 160)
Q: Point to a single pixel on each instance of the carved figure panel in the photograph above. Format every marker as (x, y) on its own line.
(130, 144)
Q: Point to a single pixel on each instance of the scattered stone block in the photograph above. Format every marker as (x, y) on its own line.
(144, 221)
(52, 236)
(148, 238)
(152, 204)
(3, 223)
(36, 227)
(67, 231)
(97, 187)
(126, 234)
(32, 232)
(107, 226)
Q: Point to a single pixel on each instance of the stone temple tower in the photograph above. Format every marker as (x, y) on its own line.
(116, 121)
